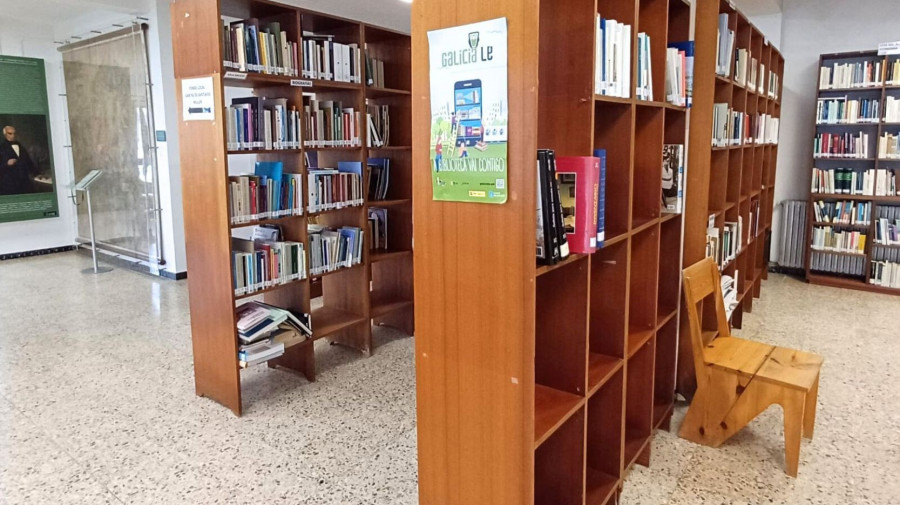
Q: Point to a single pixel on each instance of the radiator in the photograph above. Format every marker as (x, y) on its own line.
(793, 233)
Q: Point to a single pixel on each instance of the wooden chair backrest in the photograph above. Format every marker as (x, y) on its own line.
(702, 281)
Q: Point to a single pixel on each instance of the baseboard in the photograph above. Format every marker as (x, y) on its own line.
(778, 269)
(133, 264)
(38, 252)
(176, 276)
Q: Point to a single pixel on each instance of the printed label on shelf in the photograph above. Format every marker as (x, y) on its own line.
(887, 48)
(236, 75)
(303, 83)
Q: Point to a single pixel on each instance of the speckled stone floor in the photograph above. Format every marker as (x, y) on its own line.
(97, 406)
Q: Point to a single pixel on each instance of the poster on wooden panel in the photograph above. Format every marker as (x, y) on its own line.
(27, 184)
(469, 112)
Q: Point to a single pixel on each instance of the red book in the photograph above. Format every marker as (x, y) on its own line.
(579, 189)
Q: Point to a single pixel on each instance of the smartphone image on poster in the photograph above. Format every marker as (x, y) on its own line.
(467, 111)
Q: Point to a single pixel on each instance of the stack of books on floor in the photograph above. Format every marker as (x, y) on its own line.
(843, 212)
(887, 229)
(378, 230)
(330, 124)
(331, 189)
(864, 74)
(252, 45)
(379, 173)
(265, 261)
(262, 123)
(680, 73)
(267, 194)
(729, 293)
(889, 146)
(331, 249)
(325, 59)
(843, 111)
(827, 238)
(613, 53)
(845, 181)
(841, 145)
(379, 121)
(265, 331)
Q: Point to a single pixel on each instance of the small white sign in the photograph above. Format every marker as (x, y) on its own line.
(197, 99)
(240, 76)
(886, 48)
(303, 83)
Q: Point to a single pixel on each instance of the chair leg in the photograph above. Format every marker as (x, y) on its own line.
(793, 406)
(809, 411)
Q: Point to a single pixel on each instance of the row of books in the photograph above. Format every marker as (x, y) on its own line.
(265, 262)
(754, 218)
(265, 331)
(729, 293)
(757, 79)
(846, 181)
(828, 238)
(891, 109)
(331, 189)
(886, 274)
(379, 120)
(680, 73)
(673, 179)
(644, 77)
(262, 123)
(892, 73)
(743, 63)
(374, 72)
(613, 58)
(331, 249)
(887, 183)
(889, 146)
(774, 85)
(843, 212)
(725, 45)
(841, 145)
(379, 174)
(887, 229)
(822, 261)
(767, 129)
(325, 59)
(268, 193)
(252, 45)
(860, 74)
(378, 228)
(844, 111)
(723, 245)
(330, 124)
(733, 128)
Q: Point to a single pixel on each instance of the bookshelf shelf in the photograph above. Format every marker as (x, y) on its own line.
(573, 258)
(345, 311)
(391, 148)
(389, 203)
(601, 368)
(613, 99)
(637, 338)
(600, 487)
(727, 184)
(552, 408)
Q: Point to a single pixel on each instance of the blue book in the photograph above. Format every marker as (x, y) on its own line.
(688, 48)
(271, 172)
(351, 167)
(601, 198)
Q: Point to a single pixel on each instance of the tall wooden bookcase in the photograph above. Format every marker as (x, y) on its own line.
(544, 384)
(724, 182)
(875, 130)
(380, 289)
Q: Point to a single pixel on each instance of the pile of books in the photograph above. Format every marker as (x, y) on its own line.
(680, 73)
(379, 119)
(613, 58)
(266, 194)
(325, 59)
(331, 249)
(841, 145)
(379, 173)
(335, 189)
(262, 123)
(862, 74)
(887, 226)
(844, 111)
(846, 181)
(378, 221)
(889, 146)
(827, 238)
(265, 331)
(725, 44)
(252, 45)
(330, 124)
(265, 262)
(843, 212)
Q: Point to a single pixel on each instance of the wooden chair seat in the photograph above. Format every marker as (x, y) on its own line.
(738, 379)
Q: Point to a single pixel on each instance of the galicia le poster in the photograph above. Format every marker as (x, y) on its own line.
(469, 113)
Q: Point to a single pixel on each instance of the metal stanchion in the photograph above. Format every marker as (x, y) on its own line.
(84, 186)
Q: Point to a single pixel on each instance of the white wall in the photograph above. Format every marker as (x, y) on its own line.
(810, 28)
(23, 38)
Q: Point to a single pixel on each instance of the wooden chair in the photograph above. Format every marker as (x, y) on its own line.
(738, 379)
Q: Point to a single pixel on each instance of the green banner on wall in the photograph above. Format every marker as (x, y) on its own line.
(27, 179)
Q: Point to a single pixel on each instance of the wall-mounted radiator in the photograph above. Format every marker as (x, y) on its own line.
(793, 234)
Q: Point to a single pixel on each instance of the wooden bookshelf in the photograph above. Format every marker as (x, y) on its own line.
(380, 289)
(875, 129)
(544, 384)
(728, 182)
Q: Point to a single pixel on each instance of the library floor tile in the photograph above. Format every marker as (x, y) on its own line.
(97, 405)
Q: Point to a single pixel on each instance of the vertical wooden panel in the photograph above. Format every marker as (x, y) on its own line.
(474, 289)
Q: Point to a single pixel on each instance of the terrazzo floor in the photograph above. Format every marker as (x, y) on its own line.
(97, 405)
